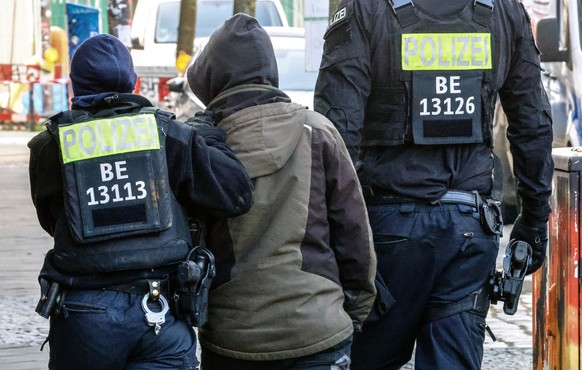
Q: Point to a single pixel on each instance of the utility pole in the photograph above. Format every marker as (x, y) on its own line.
(186, 27)
(186, 33)
(244, 6)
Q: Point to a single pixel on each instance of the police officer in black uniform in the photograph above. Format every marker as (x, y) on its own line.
(411, 86)
(111, 181)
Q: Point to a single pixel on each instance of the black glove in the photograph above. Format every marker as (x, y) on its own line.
(203, 122)
(205, 117)
(536, 235)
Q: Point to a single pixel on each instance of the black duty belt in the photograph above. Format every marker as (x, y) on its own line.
(472, 199)
(143, 286)
(489, 209)
(459, 197)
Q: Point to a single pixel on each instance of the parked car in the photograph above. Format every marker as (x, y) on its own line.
(294, 80)
(154, 35)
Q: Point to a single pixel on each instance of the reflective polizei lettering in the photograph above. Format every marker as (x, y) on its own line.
(98, 138)
(446, 51)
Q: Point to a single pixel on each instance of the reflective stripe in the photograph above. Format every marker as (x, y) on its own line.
(446, 51)
(98, 138)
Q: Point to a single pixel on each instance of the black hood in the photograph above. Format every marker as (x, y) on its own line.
(239, 52)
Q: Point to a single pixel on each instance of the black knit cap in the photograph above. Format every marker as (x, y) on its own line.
(102, 64)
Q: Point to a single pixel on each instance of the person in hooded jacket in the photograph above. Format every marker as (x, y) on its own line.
(295, 274)
(111, 181)
(411, 87)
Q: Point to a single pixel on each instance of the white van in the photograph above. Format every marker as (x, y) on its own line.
(155, 33)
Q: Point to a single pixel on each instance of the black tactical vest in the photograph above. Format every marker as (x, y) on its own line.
(436, 87)
(120, 213)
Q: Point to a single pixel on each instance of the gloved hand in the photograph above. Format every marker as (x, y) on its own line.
(536, 235)
(203, 122)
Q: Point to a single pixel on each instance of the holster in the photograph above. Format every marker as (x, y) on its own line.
(51, 298)
(491, 217)
(190, 301)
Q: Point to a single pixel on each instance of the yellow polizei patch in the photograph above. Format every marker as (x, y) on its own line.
(446, 51)
(98, 138)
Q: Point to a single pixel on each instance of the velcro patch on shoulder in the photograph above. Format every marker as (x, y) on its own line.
(338, 18)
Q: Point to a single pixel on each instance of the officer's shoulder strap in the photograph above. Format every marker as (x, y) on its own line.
(164, 116)
(482, 10)
(404, 11)
(66, 117)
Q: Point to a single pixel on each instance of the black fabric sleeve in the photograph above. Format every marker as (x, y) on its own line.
(204, 172)
(528, 111)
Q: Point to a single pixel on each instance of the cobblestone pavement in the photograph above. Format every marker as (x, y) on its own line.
(23, 245)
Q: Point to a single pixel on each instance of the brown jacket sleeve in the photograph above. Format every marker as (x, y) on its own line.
(351, 236)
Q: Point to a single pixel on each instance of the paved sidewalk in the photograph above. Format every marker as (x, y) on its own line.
(13, 146)
(22, 248)
(23, 245)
